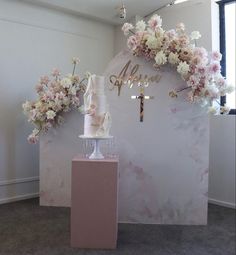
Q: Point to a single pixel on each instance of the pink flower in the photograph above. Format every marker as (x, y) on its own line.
(60, 96)
(216, 56)
(183, 40)
(214, 68)
(49, 95)
(180, 27)
(155, 22)
(44, 80)
(39, 87)
(193, 81)
(55, 72)
(200, 52)
(33, 139)
(199, 60)
(132, 42)
(221, 82)
(171, 34)
(126, 28)
(201, 70)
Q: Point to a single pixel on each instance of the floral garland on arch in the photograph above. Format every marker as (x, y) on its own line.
(200, 69)
(55, 97)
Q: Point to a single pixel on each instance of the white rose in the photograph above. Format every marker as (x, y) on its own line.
(195, 35)
(160, 58)
(66, 82)
(140, 26)
(50, 115)
(183, 68)
(153, 42)
(173, 58)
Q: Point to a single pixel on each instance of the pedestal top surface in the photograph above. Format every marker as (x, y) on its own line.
(106, 159)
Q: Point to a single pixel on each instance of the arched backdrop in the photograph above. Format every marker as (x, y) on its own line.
(163, 160)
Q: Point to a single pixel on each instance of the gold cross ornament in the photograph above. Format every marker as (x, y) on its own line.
(142, 98)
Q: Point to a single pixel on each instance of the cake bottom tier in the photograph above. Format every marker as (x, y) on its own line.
(93, 125)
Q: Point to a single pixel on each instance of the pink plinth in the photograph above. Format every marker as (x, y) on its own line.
(94, 203)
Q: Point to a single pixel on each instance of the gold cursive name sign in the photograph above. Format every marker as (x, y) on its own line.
(131, 76)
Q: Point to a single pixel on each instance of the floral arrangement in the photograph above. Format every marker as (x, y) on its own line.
(55, 97)
(200, 69)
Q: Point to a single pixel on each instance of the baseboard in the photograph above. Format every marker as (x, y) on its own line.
(18, 198)
(34, 195)
(221, 203)
(20, 180)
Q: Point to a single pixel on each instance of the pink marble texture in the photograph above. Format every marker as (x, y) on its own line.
(94, 203)
(163, 161)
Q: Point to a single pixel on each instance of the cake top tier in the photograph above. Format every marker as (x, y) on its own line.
(96, 84)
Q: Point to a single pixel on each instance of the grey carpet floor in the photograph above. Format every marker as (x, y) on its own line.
(26, 228)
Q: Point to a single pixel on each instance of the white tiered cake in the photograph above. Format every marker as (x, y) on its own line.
(97, 120)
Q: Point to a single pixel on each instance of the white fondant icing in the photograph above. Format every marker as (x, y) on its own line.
(97, 120)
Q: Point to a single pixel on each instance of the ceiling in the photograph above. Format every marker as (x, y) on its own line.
(104, 10)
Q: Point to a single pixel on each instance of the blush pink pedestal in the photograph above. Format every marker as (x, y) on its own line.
(94, 203)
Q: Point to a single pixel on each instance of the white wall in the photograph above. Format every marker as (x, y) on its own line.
(203, 15)
(222, 160)
(34, 40)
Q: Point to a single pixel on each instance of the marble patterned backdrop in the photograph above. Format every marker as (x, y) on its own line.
(163, 160)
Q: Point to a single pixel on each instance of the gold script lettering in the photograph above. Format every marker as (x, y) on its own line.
(133, 77)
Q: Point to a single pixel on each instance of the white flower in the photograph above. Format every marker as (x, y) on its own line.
(183, 68)
(153, 42)
(73, 91)
(173, 58)
(87, 74)
(75, 61)
(26, 107)
(160, 58)
(213, 91)
(50, 115)
(126, 28)
(212, 110)
(229, 89)
(180, 27)
(66, 82)
(38, 105)
(195, 35)
(140, 26)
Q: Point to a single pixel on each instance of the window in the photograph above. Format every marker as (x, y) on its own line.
(227, 48)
